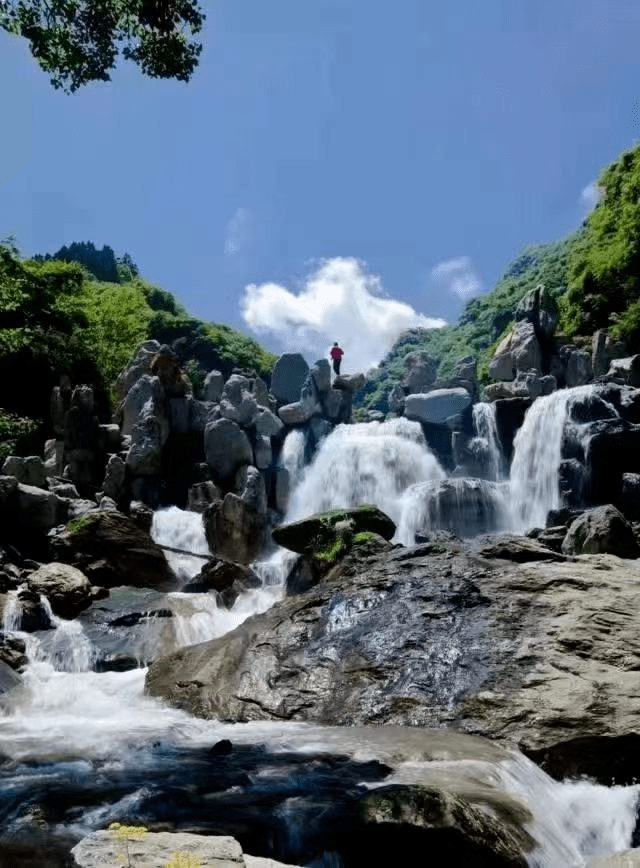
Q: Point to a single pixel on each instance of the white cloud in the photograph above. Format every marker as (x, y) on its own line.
(238, 232)
(590, 197)
(339, 302)
(458, 276)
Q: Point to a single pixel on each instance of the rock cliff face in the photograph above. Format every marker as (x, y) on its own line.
(539, 653)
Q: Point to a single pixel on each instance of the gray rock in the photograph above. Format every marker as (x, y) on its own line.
(63, 488)
(267, 423)
(297, 413)
(114, 478)
(53, 457)
(263, 452)
(435, 637)
(140, 366)
(179, 413)
(104, 849)
(201, 495)
(395, 400)
(282, 489)
(78, 508)
(40, 509)
(249, 484)
(420, 370)
(627, 370)
(321, 374)
(144, 458)
(437, 406)
(525, 347)
(109, 439)
(68, 590)
(213, 385)
(8, 678)
(603, 350)
(623, 859)
(349, 382)
(288, 376)
(235, 530)
(145, 398)
(335, 400)
(466, 368)
(226, 447)
(578, 370)
(601, 529)
(29, 471)
(260, 392)
(540, 309)
(238, 402)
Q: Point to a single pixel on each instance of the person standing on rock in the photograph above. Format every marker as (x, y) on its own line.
(336, 357)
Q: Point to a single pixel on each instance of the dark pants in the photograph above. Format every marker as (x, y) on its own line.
(336, 366)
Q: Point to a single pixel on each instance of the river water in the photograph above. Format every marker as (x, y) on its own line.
(82, 748)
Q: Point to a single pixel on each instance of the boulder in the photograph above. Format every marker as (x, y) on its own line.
(68, 590)
(578, 369)
(114, 478)
(53, 457)
(226, 578)
(144, 457)
(395, 399)
(542, 654)
(8, 678)
(159, 849)
(466, 368)
(349, 382)
(288, 376)
(201, 495)
(38, 509)
(420, 371)
(603, 350)
(226, 447)
(627, 370)
(166, 366)
(323, 529)
(501, 366)
(29, 471)
(601, 529)
(12, 652)
(111, 550)
(321, 375)
(263, 452)
(213, 385)
(437, 406)
(238, 402)
(235, 530)
(630, 495)
(140, 366)
(518, 351)
(145, 398)
(298, 412)
(540, 309)
(31, 615)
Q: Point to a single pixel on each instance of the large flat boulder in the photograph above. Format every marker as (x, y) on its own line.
(437, 406)
(541, 654)
(323, 528)
(68, 590)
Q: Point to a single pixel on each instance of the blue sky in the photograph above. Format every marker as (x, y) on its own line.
(331, 154)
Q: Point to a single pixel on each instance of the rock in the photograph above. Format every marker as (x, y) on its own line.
(518, 351)
(518, 549)
(29, 471)
(540, 309)
(63, 488)
(395, 399)
(337, 404)
(263, 452)
(38, 509)
(111, 550)
(282, 485)
(466, 368)
(501, 366)
(226, 447)
(349, 382)
(105, 848)
(109, 438)
(495, 834)
(144, 458)
(288, 376)
(8, 678)
(114, 478)
(267, 423)
(578, 369)
(627, 370)
(12, 652)
(510, 415)
(53, 457)
(603, 350)
(226, 578)
(235, 530)
(140, 366)
(630, 495)
(623, 859)
(68, 590)
(201, 495)
(437, 406)
(539, 654)
(141, 515)
(420, 371)
(298, 412)
(601, 529)
(213, 385)
(463, 506)
(166, 366)
(145, 398)
(31, 614)
(321, 375)
(237, 402)
(319, 530)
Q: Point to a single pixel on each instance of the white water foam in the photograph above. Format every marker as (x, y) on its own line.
(486, 428)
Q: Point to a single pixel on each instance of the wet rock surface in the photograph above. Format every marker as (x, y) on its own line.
(538, 653)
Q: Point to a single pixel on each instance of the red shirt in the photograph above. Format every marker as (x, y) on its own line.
(336, 353)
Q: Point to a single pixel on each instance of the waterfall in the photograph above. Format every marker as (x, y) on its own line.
(292, 457)
(537, 456)
(487, 441)
(373, 462)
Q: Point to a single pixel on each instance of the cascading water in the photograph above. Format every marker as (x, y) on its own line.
(487, 440)
(537, 455)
